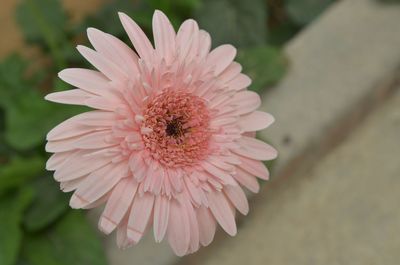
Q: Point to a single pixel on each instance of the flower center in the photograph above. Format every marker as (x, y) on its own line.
(174, 128)
(179, 123)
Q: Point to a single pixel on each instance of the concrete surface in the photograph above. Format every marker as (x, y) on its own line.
(337, 65)
(346, 211)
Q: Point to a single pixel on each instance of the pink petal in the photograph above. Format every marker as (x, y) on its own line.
(137, 166)
(161, 215)
(193, 191)
(74, 97)
(255, 121)
(222, 212)
(245, 102)
(71, 185)
(118, 204)
(102, 103)
(140, 214)
(96, 118)
(254, 167)
(137, 37)
(204, 43)
(194, 227)
(185, 38)
(178, 228)
(221, 57)
(255, 149)
(247, 180)
(232, 71)
(61, 145)
(114, 50)
(57, 160)
(237, 198)
(239, 82)
(88, 80)
(94, 140)
(79, 165)
(123, 241)
(104, 65)
(164, 35)
(220, 174)
(207, 225)
(97, 184)
(79, 124)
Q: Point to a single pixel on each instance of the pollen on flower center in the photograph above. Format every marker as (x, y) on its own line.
(179, 123)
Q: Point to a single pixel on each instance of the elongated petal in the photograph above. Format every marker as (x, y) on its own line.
(107, 67)
(231, 72)
(80, 165)
(255, 149)
(82, 124)
(137, 37)
(221, 57)
(186, 39)
(114, 50)
(247, 180)
(161, 214)
(88, 80)
(178, 228)
(255, 121)
(74, 97)
(164, 35)
(118, 204)
(222, 212)
(97, 184)
(239, 82)
(219, 173)
(194, 242)
(123, 241)
(245, 102)
(140, 214)
(207, 225)
(57, 160)
(255, 167)
(237, 198)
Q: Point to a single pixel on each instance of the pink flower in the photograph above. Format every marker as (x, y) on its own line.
(171, 139)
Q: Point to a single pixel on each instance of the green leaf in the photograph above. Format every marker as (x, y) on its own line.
(71, 241)
(27, 115)
(11, 208)
(241, 23)
(13, 80)
(107, 19)
(28, 121)
(44, 22)
(282, 33)
(18, 171)
(48, 205)
(304, 11)
(265, 65)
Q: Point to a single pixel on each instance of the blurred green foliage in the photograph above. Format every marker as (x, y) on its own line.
(36, 225)
(304, 11)
(258, 61)
(241, 23)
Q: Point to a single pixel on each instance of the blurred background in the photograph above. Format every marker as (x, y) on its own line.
(38, 39)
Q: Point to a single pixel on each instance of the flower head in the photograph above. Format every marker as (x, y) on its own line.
(171, 140)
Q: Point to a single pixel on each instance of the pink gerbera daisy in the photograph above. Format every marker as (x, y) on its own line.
(171, 139)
